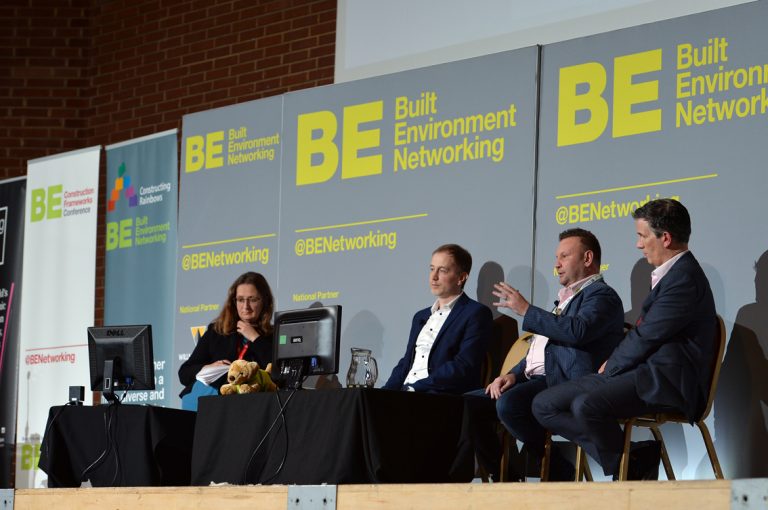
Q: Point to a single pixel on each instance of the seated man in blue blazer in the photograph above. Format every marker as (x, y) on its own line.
(570, 341)
(448, 340)
(663, 364)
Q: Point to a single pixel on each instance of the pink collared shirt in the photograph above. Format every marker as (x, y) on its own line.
(534, 360)
(663, 269)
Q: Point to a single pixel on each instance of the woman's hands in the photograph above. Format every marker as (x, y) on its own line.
(247, 330)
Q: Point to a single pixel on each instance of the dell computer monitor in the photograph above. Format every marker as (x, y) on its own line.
(307, 343)
(121, 359)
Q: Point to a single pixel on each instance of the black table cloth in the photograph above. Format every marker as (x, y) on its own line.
(331, 436)
(142, 446)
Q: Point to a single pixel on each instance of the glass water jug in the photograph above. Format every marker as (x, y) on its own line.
(363, 370)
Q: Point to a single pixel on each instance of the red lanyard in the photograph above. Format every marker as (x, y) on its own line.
(243, 349)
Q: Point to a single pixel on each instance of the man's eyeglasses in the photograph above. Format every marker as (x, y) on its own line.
(250, 300)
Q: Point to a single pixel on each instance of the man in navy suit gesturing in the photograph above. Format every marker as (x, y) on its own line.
(448, 340)
(663, 364)
(570, 341)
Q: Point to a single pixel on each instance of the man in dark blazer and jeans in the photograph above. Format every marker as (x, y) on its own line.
(448, 340)
(664, 362)
(570, 341)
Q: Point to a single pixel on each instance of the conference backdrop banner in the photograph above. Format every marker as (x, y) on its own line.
(378, 173)
(140, 275)
(11, 244)
(228, 211)
(671, 109)
(57, 303)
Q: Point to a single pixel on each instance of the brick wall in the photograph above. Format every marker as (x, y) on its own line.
(77, 73)
(45, 75)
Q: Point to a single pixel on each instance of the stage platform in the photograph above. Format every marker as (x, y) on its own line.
(701, 495)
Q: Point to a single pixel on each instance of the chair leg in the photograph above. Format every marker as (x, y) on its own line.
(664, 454)
(582, 465)
(578, 464)
(585, 467)
(547, 456)
(624, 462)
(710, 449)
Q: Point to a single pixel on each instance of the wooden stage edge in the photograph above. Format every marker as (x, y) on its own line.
(698, 494)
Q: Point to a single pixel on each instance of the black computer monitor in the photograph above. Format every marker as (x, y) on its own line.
(307, 343)
(121, 359)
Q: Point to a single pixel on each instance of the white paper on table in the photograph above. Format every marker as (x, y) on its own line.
(208, 374)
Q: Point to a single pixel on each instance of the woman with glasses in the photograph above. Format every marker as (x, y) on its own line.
(243, 330)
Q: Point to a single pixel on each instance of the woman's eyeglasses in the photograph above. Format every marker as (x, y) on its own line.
(250, 300)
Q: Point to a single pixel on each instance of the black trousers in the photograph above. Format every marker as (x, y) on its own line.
(586, 411)
(513, 409)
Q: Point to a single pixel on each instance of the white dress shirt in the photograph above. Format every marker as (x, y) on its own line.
(426, 340)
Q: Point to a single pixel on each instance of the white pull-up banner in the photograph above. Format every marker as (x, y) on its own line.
(58, 300)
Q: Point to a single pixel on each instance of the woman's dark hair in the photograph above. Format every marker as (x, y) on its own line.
(226, 322)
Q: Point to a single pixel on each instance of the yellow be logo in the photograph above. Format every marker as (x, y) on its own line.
(46, 203)
(628, 92)
(204, 151)
(119, 234)
(30, 456)
(317, 153)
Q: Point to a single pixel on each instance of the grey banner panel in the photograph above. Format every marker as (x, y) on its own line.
(671, 109)
(140, 281)
(228, 214)
(378, 173)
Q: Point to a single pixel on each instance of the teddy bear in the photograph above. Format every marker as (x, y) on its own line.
(248, 377)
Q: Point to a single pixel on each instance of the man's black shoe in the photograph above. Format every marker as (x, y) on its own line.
(644, 459)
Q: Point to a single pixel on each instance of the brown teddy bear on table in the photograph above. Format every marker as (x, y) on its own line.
(248, 377)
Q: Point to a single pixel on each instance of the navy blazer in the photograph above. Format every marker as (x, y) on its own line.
(456, 359)
(673, 345)
(581, 338)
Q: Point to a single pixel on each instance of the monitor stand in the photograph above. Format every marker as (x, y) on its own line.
(109, 387)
